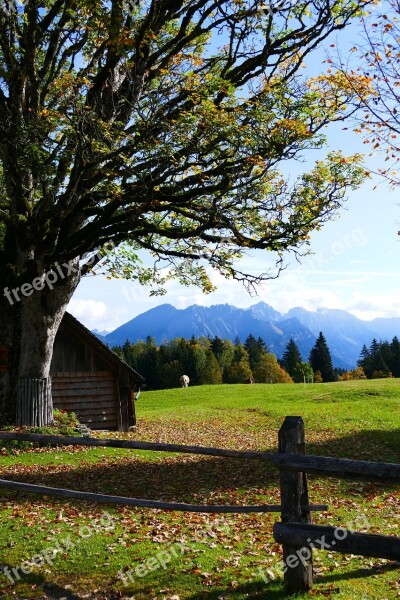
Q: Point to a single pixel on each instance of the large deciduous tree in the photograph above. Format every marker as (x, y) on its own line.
(303, 373)
(268, 370)
(161, 128)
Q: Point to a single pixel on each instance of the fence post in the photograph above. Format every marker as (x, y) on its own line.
(294, 494)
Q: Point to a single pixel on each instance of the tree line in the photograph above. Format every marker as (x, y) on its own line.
(215, 361)
(381, 359)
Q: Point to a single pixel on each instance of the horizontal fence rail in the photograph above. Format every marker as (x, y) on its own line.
(295, 532)
(335, 467)
(131, 445)
(342, 468)
(158, 504)
(338, 539)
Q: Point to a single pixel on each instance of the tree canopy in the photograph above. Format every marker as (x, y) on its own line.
(137, 127)
(158, 127)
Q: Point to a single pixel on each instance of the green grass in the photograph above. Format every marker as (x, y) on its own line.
(223, 554)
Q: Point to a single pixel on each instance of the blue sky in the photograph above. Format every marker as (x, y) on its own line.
(354, 265)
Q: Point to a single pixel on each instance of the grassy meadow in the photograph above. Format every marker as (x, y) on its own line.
(182, 556)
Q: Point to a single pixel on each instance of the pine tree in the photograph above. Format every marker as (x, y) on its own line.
(385, 351)
(365, 361)
(381, 359)
(381, 370)
(149, 364)
(255, 349)
(127, 353)
(262, 344)
(374, 348)
(395, 366)
(291, 357)
(320, 359)
(378, 366)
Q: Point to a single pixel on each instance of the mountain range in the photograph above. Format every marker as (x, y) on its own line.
(344, 332)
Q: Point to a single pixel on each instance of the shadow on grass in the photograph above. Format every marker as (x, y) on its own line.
(359, 573)
(203, 479)
(254, 590)
(52, 590)
(259, 590)
(192, 478)
(374, 445)
(172, 479)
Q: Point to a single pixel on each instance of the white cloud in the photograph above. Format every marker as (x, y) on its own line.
(374, 306)
(91, 312)
(93, 308)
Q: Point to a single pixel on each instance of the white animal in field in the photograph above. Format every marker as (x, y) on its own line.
(184, 381)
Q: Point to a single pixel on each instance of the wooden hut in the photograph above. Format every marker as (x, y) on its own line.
(91, 380)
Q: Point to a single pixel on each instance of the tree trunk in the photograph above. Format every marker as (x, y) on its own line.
(31, 325)
(6, 336)
(38, 328)
(34, 402)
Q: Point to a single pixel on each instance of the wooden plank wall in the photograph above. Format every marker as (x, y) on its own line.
(72, 352)
(91, 395)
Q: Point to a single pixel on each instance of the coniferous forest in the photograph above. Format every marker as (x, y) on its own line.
(215, 361)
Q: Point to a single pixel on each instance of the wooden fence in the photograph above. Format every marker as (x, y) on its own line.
(295, 531)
